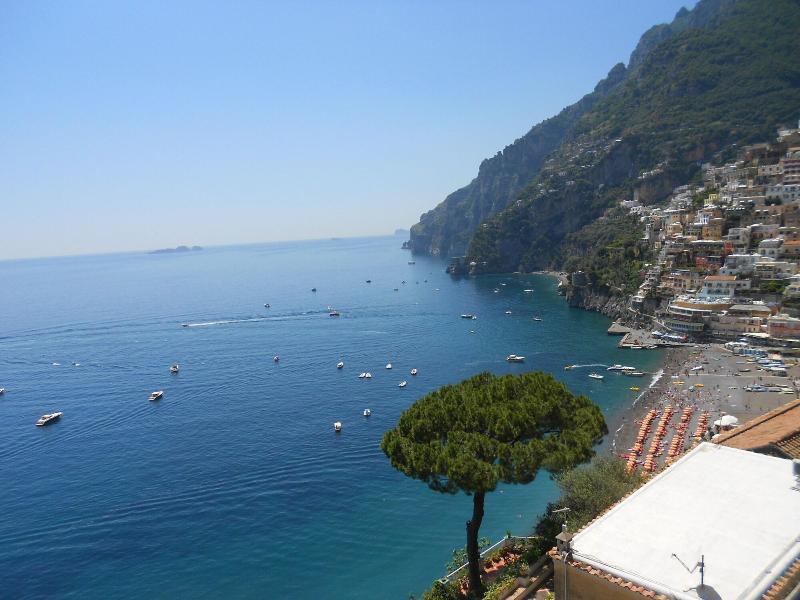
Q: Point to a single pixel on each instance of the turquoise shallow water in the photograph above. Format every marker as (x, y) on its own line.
(234, 485)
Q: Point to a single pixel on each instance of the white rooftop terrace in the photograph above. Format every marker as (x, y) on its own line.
(738, 509)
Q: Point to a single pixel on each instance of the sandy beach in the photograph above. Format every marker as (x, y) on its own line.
(703, 379)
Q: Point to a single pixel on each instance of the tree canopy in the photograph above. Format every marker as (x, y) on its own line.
(487, 430)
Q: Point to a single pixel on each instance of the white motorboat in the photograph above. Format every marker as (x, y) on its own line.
(2, 391)
(367, 412)
(337, 426)
(414, 371)
(527, 291)
(47, 419)
(174, 368)
(276, 358)
(362, 375)
(634, 373)
(334, 313)
(267, 305)
(402, 384)
(615, 368)
(367, 375)
(155, 395)
(468, 316)
(340, 365)
(513, 358)
(595, 376)
(388, 365)
(537, 318)
(627, 368)
(508, 312)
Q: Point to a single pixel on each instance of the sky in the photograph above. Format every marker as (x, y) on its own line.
(140, 125)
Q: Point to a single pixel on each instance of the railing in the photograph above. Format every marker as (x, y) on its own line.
(503, 542)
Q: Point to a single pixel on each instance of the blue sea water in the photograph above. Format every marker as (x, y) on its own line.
(234, 485)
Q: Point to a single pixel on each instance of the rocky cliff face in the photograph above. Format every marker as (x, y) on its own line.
(690, 95)
(447, 229)
(600, 300)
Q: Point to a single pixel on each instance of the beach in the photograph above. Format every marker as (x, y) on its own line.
(706, 379)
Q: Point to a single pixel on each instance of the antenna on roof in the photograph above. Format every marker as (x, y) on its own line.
(562, 510)
(701, 563)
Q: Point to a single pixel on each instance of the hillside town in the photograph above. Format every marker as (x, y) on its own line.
(727, 251)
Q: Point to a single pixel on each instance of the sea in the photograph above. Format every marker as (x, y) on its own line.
(234, 485)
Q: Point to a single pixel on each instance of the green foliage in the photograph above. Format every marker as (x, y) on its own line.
(488, 429)
(494, 591)
(459, 556)
(609, 251)
(773, 286)
(703, 89)
(587, 491)
(441, 591)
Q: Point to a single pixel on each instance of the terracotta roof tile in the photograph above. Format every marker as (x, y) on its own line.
(774, 427)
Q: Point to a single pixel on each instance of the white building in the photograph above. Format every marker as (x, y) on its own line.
(727, 516)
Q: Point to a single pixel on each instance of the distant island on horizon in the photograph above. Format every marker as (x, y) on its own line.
(176, 249)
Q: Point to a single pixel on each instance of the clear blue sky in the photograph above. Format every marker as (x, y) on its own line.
(147, 124)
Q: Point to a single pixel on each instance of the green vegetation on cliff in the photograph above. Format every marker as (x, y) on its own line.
(731, 81)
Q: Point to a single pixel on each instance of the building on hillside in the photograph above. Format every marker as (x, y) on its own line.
(723, 286)
(771, 247)
(719, 523)
(790, 166)
(776, 433)
(740, 264)
(783, 327)
(774, 269)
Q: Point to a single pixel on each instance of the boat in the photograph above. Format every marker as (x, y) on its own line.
(413, 371)
(635, 347)
(388, 365)
(155, 395)
(513, 358)
(634, 373)
(627, 368)
(537, 318)
(367, 412)
(367, 375)
(2, 391)
(527, 291)
(508, 312)
(362, 375)
(570, 367)
(633, 388)
(402, 384)
(337, 426)
(333, 313)
(614, 368)
(396, 289)
(468, 316)
(47, 419)
(313, 289)
(174, 368)
(276, 358)
(369, 280)
(595, 376)
(340, 365)
(411, 262)
(267, 305)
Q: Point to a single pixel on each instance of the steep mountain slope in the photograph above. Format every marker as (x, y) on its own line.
(448, 228)
(730, 81)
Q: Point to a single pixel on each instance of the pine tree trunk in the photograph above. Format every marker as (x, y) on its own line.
(473, 551)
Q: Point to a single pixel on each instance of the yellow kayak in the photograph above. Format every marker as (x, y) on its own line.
(634, 389)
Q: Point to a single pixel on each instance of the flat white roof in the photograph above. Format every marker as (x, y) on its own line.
(737, 508)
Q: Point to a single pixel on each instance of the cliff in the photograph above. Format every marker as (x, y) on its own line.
(448, 228)
(703, 89)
